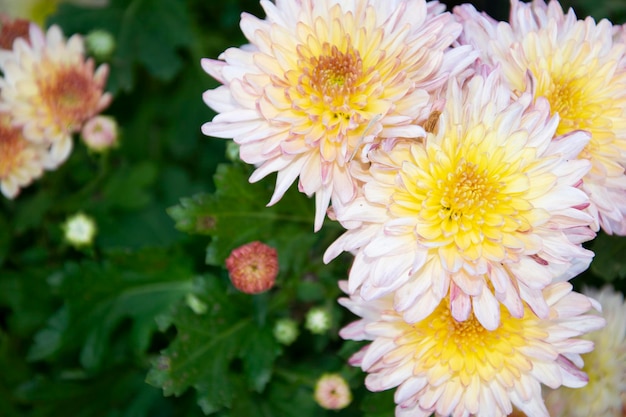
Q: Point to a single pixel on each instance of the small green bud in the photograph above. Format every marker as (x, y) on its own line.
(100, 44)
(317, 320)
(286, 331)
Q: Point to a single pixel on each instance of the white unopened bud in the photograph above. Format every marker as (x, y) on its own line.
(286, 331)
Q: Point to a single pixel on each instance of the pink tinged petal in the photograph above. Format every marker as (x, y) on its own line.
(547, 373)
(532, 407)
(449, 399)
(377, 349)
(389, 378)
(487, 309)
(534, 299)
(573, 305)
(569, 145)
(213, 67)
(424, 306)
(284, 179)
(220, 100)
(572, 376)
(359, 273)
(384, 245)
(409, 388)
(460, 303)
(557, 292)
(228, 130)
(469, 284)
(430, 397)
(471, 399)
(322, 201)
(357, 358)
(354, 331)
(392, 270)
(407, 295)
(505, 291)
(349, 241)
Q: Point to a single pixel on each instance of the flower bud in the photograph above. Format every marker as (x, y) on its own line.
(100, 133)
(332, 392)
(79, 230)
(317, 320)
(253, 267)
(286, 331)
(100, 44)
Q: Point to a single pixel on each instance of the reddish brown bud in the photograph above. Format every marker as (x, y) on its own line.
(253, 267)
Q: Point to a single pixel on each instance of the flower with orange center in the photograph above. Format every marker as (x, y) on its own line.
(579, 67)
(485, 210)
(322, 80)
(50, 89)
(20, 161)
(605, 394)
(458, 369)
(253, 267)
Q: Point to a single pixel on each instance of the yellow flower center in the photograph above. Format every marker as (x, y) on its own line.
(464, 192)
(471, 196)
(462, 351)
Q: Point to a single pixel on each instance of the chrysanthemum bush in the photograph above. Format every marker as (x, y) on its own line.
(303, 208)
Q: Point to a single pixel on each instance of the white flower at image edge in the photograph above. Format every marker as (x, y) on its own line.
(605, 394)
(321, 80)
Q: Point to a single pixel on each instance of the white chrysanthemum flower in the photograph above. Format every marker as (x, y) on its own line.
(605, 393)
(485, 210)
(50, 89)
(579, 67)
(458, 369)
(20, 161)
(322, 79)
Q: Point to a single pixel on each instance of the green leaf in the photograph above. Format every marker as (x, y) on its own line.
(378, 404)
(609, 262)
(213, 351)
(126, 188)
(147, 32)
(100, 295)
(118, 392)
(237, 214)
